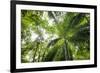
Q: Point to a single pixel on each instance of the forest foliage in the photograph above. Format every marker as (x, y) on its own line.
(54, 36)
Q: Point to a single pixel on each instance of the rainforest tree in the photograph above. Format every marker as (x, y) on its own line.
(54, 36)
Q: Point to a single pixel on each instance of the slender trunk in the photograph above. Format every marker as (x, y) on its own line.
(68, 53)
(39, 56)
(46, 49)
(43, 56)
(39, 52)
(35, 52)
(66, 50)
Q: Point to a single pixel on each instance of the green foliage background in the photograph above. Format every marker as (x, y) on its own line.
(54, 36)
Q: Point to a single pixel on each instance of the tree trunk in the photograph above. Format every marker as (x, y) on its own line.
(66, 50)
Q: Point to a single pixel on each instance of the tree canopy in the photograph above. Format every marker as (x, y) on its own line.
(54, 36)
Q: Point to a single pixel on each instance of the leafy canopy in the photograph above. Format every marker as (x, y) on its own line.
(54, 36)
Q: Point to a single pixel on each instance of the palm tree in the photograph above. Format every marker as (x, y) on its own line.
(72, 31)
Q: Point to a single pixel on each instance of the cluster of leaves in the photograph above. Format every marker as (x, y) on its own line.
(58, 36)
